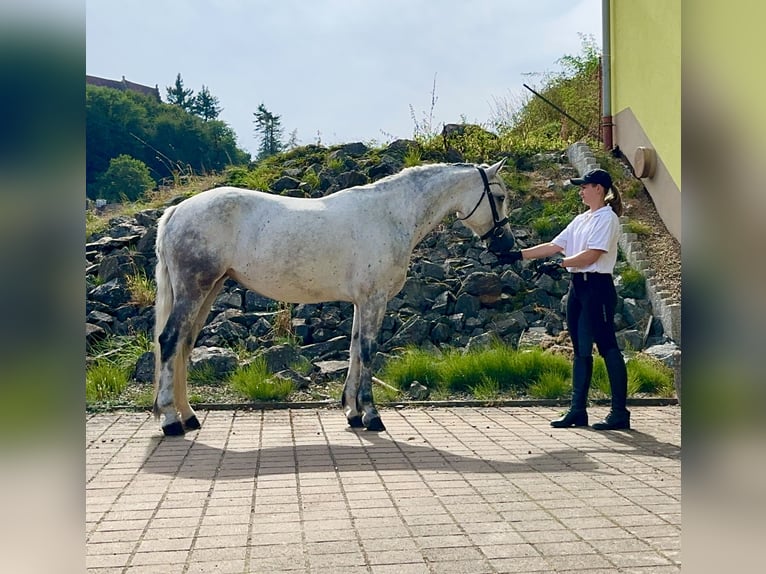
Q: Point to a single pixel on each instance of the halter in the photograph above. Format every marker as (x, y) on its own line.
(497, 223)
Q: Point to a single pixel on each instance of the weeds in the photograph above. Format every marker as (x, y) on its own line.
(256, 383)
(413, 157)
(143, 290)
(104, 381)
(638, 227)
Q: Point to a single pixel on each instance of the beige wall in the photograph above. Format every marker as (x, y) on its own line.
(646, 94)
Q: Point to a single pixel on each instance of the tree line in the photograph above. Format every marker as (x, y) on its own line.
(134, 141)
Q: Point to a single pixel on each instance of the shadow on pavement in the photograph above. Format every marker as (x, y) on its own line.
(193, 459)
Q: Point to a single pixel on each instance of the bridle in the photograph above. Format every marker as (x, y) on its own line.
(497, 223)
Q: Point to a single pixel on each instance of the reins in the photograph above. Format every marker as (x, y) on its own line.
(497, 223)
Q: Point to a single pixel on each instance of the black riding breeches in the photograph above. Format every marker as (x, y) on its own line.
(590, 313)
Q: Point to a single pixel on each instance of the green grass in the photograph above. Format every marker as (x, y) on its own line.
(256, 383)
(114, 359)
(488, 372)
(551, 385)
(638, 227)
(203, 375)
(650, 376)
(104, 381)
(486, 390)
(413, 157)
(498, 370)
(633, 283)
(143, 290)
(122, 350)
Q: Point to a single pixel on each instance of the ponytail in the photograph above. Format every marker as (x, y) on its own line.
(614, 200)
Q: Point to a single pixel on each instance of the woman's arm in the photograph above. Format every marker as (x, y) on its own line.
(541, 250)
(583, 259)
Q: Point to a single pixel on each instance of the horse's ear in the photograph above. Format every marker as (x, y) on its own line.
(494, 168)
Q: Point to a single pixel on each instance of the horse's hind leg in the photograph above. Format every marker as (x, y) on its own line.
(171, 367)
(175, 344)
(188, 416)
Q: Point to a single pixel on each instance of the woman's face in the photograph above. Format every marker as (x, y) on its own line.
(592, 194)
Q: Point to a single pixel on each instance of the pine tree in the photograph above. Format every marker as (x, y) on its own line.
(206, 105)
(179, 96)
(269, 128)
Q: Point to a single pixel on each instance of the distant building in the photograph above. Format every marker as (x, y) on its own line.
(124, 85)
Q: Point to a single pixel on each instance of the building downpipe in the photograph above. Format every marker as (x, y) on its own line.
(606, 76)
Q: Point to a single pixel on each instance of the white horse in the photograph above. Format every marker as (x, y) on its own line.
(353, 245)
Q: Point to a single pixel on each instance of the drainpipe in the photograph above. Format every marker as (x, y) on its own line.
(606, 76)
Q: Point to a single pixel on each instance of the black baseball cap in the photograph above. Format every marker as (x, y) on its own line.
(599, 176)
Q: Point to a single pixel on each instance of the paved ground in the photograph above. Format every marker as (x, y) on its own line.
(447, 490)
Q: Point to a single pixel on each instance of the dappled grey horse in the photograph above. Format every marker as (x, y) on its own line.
(354, 245)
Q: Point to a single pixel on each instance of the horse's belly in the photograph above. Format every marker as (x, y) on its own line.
(295, 288)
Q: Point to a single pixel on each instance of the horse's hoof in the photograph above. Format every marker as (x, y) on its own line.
(355, 422)
(375, 424)
(192, 423)
(173, 429)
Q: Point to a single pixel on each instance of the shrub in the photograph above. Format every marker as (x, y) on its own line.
(126, 179)
(633, 283)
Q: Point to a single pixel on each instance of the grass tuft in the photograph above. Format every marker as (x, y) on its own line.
(551, 385)
(104, 381)
(143, 290)
(256, 383)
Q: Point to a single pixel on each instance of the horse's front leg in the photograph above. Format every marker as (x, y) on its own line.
(351, 387)
(371, 317)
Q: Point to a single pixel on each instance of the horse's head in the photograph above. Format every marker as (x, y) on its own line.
(489, 218)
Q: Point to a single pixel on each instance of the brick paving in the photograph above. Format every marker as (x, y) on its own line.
(444, 490)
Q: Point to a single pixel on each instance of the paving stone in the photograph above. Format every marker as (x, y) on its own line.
(443, 490)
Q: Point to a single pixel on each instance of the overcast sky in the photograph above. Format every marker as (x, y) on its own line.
(340, 71)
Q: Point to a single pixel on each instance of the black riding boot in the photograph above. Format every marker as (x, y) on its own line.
(619, 415)
(577, 416)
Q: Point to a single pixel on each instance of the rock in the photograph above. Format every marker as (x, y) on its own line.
(418, 391)
(220, 361)
(284, 183)
(93, 334)
(331, 369)
(351, 179)
(280, 357)
(144, 370)
(299, 381)
(112, 293)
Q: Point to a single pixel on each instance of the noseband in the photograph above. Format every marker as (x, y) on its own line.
(497, 223)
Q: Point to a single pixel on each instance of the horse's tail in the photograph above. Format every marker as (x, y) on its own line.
(163, 302)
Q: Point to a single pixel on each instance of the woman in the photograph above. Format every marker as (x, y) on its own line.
(589, 246)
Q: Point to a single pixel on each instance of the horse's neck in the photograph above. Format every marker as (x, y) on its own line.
(441, 195)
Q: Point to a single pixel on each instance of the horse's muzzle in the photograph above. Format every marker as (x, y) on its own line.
(501, 240)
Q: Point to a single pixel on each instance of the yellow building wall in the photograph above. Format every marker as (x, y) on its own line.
(646, 72)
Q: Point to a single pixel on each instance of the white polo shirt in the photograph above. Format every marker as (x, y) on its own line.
(592, 230)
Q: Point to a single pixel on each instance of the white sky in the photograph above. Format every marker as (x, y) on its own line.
(340, 70)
